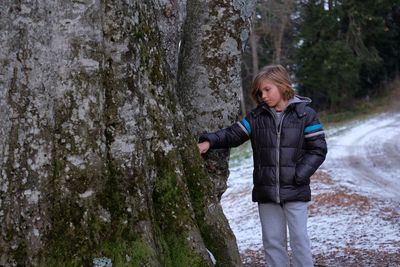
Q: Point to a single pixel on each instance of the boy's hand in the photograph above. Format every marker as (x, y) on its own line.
(203, 147)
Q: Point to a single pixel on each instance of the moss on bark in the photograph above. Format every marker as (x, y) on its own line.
(174, 220)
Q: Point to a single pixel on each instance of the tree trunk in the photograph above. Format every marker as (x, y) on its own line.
(96, 156)
(282, 12)
(209, 78)
(254, 53)
(278, 39)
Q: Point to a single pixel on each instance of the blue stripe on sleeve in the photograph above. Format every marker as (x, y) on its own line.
(312, 128)
(247, 125)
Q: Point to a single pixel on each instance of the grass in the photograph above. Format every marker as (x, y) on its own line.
(364, 108)
(358, 110)
(240, 153)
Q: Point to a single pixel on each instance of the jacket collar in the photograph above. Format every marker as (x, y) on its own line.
(298, 103)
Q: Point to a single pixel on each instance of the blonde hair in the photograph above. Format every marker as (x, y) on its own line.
(277, 75)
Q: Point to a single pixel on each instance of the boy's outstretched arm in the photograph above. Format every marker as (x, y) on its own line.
(231, 136)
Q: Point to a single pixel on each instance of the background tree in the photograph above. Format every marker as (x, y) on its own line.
(269, 41)
(326, 67)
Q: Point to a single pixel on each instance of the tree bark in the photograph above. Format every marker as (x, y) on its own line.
(96, 155)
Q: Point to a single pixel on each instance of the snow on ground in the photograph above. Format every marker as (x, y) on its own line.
(354, 217)
(340, 219)
(241, 212)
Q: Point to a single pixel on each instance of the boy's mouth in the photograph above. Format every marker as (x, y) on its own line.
(269, 103)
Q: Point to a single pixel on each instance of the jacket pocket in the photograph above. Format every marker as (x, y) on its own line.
(298, 155)
(301, 181)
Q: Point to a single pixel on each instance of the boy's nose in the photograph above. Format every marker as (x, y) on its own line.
(263, 95)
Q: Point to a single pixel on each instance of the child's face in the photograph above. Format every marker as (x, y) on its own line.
(270, 93)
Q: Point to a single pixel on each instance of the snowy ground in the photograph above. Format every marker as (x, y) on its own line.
(354, 217)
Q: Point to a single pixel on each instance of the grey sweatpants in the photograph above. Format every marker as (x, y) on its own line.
(274, 218)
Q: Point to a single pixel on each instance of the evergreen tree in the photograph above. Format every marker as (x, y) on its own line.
(344, 49)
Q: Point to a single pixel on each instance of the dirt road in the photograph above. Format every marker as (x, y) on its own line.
(365, 155)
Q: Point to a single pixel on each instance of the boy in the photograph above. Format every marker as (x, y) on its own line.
(288, 145)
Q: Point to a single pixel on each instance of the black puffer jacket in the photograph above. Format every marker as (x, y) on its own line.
(285, 155)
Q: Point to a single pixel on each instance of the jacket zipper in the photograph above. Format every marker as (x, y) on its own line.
(279, 129)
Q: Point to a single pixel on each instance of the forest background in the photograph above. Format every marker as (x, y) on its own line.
(338, 52)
